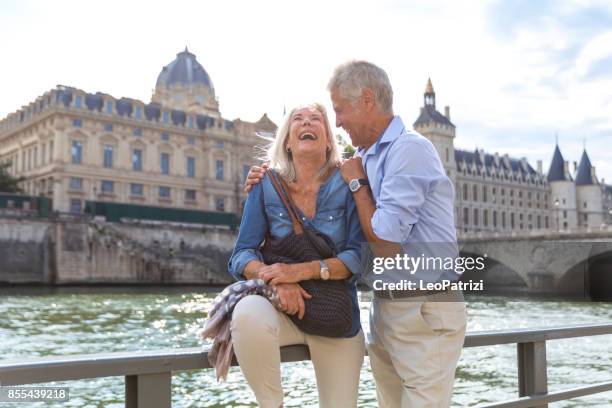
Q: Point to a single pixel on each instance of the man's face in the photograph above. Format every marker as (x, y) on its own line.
(350, 118)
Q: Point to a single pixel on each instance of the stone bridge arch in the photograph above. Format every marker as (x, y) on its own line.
(497, 276)
(549, 266)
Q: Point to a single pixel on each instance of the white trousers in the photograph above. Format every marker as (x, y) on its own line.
(258, 332)
(414, 346)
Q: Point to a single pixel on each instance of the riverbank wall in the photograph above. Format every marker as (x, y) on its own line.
(83, 251)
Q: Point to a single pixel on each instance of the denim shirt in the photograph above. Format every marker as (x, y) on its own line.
(336, 216)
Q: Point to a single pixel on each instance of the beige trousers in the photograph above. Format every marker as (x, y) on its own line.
(258, 332)
(414, 346)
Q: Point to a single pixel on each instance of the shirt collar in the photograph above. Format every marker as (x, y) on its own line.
(393, 131)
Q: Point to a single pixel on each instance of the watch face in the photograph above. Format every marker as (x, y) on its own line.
(325, 274)
(354, 185)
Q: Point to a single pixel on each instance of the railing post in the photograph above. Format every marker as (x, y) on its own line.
(148, 390)
(532, 372)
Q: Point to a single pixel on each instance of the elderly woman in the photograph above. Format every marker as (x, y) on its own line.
(305, 155)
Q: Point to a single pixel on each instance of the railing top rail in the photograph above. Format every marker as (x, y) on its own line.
(72, 367)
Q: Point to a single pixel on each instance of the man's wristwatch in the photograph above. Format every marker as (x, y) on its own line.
(324, 271)
(355, 184)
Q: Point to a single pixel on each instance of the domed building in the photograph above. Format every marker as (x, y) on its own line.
(175, 151)
(185, 85)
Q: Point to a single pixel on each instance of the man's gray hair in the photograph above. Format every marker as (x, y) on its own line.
(352, 77)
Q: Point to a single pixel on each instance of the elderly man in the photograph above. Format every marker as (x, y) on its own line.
(404, 201)
(416, 337)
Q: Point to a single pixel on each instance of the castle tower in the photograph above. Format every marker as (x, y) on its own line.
(185, 85)
(563, 193)
(438, 129)
(589, 194)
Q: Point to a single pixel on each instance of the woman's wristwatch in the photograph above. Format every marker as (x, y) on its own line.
(324, 271)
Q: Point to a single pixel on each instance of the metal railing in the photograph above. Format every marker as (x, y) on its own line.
(148, 374)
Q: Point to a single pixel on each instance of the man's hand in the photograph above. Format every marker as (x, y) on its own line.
(352, 169)
(255, 175)
(292, 297)
(282, 273)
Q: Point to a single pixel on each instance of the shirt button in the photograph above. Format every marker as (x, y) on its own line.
(331, 218)
(303, 218)
(280, 214)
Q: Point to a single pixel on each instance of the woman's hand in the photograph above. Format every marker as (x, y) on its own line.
(282, 273)
(291, 296)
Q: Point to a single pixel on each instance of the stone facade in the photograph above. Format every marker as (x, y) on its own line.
(498, 193)
(176, 151)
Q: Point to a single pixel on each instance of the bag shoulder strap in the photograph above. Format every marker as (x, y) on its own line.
(278, 185)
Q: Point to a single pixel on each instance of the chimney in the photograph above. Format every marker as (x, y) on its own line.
(540, 166)
(593, 176)
(447, 112)
(575, 166)
(565, 167)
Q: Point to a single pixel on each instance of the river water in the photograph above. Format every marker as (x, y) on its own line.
(37, 323)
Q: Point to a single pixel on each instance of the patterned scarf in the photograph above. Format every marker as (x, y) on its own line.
(217, 326)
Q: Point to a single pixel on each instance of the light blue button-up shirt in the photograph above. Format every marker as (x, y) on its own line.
(414, 196)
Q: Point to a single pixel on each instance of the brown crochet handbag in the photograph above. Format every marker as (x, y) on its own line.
(329, 311)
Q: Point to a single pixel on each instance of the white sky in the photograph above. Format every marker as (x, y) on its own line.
(514, 73)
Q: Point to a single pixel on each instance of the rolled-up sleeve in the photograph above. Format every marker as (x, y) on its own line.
(409, 170)
(253, 228)
(351, 256)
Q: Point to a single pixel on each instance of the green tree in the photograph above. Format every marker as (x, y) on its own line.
(347, 150)
(8, 183)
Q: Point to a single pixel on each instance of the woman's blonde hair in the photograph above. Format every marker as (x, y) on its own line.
(281, 160)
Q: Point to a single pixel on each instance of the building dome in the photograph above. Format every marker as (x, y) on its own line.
(184, 70)
(185, 85)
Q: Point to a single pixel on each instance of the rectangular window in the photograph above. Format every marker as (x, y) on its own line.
(77, 152)
(108, 156)
(108, 127)
(220, 204)
(76, 184)
(165, 136)
(109, 106)
(190, 166)
(78, 101)
(190, 195)
(138, 112)
(75, 206)
(220, 144)
(137, 160)
(475, 220)
(77, 123)
(136, 189)
(137, 132)
(36, 158)
(164, 192)
(219, 169)
(190, 121)
(51, 151)
(165, 116)
(44, 153)
(165, 163)
(190, 140)
(107, 186)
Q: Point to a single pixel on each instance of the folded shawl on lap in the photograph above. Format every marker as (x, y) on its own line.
(217, 326)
